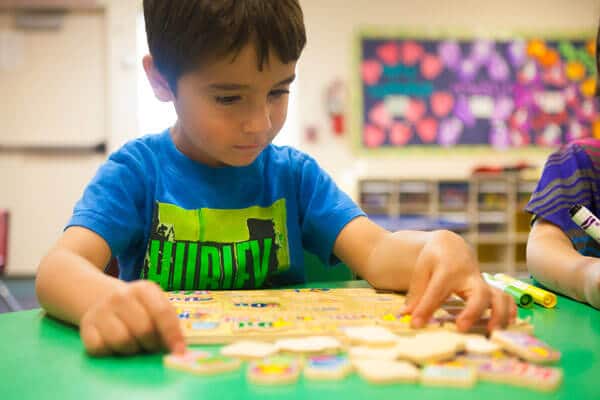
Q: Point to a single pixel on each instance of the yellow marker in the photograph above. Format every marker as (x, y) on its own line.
(540, 296)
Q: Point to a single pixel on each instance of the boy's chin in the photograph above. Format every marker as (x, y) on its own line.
(239, 161)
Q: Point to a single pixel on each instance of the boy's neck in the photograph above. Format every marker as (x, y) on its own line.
(185, 147)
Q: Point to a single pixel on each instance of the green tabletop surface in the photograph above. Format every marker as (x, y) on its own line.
(41, 358)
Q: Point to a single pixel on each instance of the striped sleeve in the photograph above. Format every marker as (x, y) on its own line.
(570, 176)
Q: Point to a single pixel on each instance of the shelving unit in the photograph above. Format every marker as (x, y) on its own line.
(488, 208)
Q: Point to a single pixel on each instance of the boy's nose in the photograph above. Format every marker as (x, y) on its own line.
(259, 120)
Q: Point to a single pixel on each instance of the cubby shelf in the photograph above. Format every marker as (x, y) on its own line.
(487, 209)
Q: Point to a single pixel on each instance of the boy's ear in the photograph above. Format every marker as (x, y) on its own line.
(159, 84)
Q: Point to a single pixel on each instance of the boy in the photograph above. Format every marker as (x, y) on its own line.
(211, 204)
(560, 255)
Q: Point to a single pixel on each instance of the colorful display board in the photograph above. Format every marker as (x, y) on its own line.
(503, 94)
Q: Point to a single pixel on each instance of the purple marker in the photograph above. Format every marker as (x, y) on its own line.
(586, 221)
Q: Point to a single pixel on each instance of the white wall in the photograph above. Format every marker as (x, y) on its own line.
(331, 27)
(76, 84)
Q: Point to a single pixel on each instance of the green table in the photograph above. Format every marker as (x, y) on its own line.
(41, 358)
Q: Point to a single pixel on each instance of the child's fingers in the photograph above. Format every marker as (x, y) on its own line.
(163, 317)
(139, 323)
(500, 309)
(512, 314)
(476, 304)
(117, 337)
(418, 283)
(92, 341)
(435, 294)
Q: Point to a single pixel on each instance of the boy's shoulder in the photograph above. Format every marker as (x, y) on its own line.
(286, 154)
(289, 160)
(140, 148)
(151, 141)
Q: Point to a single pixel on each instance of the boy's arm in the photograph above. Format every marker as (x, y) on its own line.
(553, 261)
(114, 316)
(70, 278)
(431, 265)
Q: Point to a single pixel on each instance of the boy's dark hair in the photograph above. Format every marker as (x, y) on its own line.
(185, 34)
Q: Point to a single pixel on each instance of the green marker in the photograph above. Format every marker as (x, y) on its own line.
(521, 298)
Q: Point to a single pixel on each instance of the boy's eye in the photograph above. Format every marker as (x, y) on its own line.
(227, 100)
(278, 93)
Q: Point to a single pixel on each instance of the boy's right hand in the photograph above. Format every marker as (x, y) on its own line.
(135, 318)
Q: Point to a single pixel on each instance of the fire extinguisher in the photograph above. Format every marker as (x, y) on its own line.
(335, 105)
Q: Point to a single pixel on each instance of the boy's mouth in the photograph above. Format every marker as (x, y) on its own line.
(246, 147)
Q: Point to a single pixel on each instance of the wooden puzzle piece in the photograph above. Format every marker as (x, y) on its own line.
(387, 371)
(249, 350)
(521, 325)
(521, 374)
(201, 362)
(480, 345)
(309, 344)
(275, 370)
(453, 339)
(453, 374)
(327, 367)
(525, 346)
(478, 359)
(423, 349)
(373, 353)
(372, 335)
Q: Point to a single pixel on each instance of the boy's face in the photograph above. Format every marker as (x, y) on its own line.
(229, 111)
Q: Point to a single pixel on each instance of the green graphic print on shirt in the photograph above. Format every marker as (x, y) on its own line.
(215, 248)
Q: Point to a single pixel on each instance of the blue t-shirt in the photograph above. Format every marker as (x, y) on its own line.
(185, 225)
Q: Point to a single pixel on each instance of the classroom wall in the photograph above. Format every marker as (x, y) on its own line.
(99, 73)
(73, 86)
(331, 26)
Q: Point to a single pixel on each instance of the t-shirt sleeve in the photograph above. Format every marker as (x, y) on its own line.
(324, 209)
(568, 178)
(112, 203)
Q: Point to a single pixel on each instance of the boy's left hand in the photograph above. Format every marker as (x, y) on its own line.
(447, 265)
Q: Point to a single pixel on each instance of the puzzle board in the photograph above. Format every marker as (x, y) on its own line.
(216, 317)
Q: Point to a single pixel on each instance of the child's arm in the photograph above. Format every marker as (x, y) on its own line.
(554, 262)
(114, 316)
(431, 265)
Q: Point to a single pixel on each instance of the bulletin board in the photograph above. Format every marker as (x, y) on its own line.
(511, 93)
